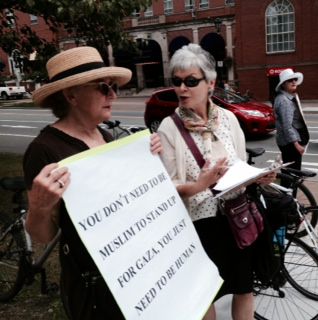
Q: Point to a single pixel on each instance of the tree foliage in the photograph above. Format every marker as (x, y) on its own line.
(94, 22)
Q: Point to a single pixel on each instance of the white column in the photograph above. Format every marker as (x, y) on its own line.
(195, 34)
(161, 39)
(229, 46)
(110, 55)
(165, 58)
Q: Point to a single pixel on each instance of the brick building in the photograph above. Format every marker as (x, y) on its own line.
(168, 24)
(11, 63)
(275, 34)
(250, 40)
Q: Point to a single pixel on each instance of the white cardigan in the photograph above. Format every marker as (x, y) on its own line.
(173, 155)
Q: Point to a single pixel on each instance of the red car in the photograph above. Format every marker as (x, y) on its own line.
(255, 118)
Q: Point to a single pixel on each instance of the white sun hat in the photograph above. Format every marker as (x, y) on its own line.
(289, 74)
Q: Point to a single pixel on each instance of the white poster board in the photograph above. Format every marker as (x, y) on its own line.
(134, 224)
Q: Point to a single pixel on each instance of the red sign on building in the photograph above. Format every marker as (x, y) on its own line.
(273, 72)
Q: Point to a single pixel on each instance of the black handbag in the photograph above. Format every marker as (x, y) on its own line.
(281, 208)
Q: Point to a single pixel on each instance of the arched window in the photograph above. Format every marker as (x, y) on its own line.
(280, 27)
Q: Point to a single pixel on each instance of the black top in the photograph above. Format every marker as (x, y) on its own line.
(82, 298)
(53, 145)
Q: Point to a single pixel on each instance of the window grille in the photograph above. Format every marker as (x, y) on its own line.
(189, 5)
(280, 27)
(168, 6)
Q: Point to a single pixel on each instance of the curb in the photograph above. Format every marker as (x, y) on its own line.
(313, 110)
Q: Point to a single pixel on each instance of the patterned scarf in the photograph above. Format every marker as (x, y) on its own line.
(193, 122)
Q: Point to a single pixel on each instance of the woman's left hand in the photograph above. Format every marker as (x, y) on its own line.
(269, 178)
(155, 144)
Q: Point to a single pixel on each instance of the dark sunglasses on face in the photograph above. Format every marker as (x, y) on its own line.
(188, 81)
(104, 88)
(292, 80)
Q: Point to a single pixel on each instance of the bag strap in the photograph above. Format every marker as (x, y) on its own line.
(189, 140)
(191, 144)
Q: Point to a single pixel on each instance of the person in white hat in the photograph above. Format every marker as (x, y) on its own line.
(292, 134)
(80, 93)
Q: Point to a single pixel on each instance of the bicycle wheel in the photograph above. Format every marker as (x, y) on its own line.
(286, 304)
(307, 204)
(11, 261)
(294, 297)
(301, 267)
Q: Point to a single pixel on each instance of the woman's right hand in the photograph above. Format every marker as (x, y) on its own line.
(44, 198)
(299, 147)
(209, 176)
(48, 187)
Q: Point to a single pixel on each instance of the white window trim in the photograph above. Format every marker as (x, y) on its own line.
(267, 34)
(168, 6)
(34, 19)
(189, 5)
(204, 5)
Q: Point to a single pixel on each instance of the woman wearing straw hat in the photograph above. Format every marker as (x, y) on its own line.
(80, 93)
(292, 134)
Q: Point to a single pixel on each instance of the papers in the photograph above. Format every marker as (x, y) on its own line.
(240, 175)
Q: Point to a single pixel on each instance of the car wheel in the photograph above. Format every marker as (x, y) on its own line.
(154, 125)
(4, 96)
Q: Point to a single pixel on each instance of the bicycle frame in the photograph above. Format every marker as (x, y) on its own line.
(304, 220)
(47, 251)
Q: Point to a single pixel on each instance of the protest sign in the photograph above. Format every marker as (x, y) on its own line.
(131, 219)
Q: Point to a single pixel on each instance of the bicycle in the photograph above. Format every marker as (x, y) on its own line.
(292, 292)
(295, 179)
(18, 265)
(118, 131)
(299, 190)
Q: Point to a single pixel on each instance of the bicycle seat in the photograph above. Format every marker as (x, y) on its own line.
(255, 152)
(136, 129)
(299, 173)
(13, 183)
(112, 124)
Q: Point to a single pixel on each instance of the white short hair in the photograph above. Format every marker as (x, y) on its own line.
(193, 56)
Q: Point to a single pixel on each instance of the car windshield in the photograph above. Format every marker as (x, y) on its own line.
(229, 97)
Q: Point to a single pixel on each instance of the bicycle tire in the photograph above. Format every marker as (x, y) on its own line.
(12, 258)
(290, 300)
(306, 201)
(301, 267)
(286, 304)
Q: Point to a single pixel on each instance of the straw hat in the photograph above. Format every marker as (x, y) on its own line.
(74, 67)
(289, 74)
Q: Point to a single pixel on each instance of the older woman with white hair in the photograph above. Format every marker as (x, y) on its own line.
(80, 93)
(218, 137)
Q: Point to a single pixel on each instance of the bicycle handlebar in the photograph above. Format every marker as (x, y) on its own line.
(298, 173)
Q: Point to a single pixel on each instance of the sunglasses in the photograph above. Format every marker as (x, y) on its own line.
(292, 80)
(104, 88)
(188, 81)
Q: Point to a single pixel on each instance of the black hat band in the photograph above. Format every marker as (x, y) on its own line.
(78, 69)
